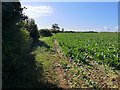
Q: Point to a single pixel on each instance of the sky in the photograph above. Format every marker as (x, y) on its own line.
(74, 16)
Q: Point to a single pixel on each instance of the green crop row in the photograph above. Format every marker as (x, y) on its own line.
(102, 47)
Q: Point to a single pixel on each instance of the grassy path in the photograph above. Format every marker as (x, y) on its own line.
(53, 71)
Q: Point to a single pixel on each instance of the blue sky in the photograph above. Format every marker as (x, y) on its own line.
(76, 16)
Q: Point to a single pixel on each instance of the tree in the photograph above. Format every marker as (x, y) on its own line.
(14, 44)
(62, 29)
(45, 32)
(34, 34)
(32, 28)
(55, 28)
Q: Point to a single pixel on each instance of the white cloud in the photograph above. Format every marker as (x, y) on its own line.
(105, 28)
(116, 27)
(37, 11)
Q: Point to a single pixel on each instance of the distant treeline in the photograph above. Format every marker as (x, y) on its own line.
(49, 32)
(80, 32)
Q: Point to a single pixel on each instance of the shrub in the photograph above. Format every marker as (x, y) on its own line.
(45, 32)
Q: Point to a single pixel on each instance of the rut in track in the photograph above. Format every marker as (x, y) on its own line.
(59, 69)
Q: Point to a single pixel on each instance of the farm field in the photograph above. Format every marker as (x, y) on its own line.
(82, 60)
(102, 47)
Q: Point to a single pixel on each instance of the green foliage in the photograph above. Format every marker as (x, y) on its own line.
(45, 32)
(34, 34)
(48, 41)
(32, 28)
(19, 68)
(55, 31)
(15, 45)
(102, 47)
(55, 28)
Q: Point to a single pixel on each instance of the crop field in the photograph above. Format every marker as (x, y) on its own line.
(85, 60)
(82, 47)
